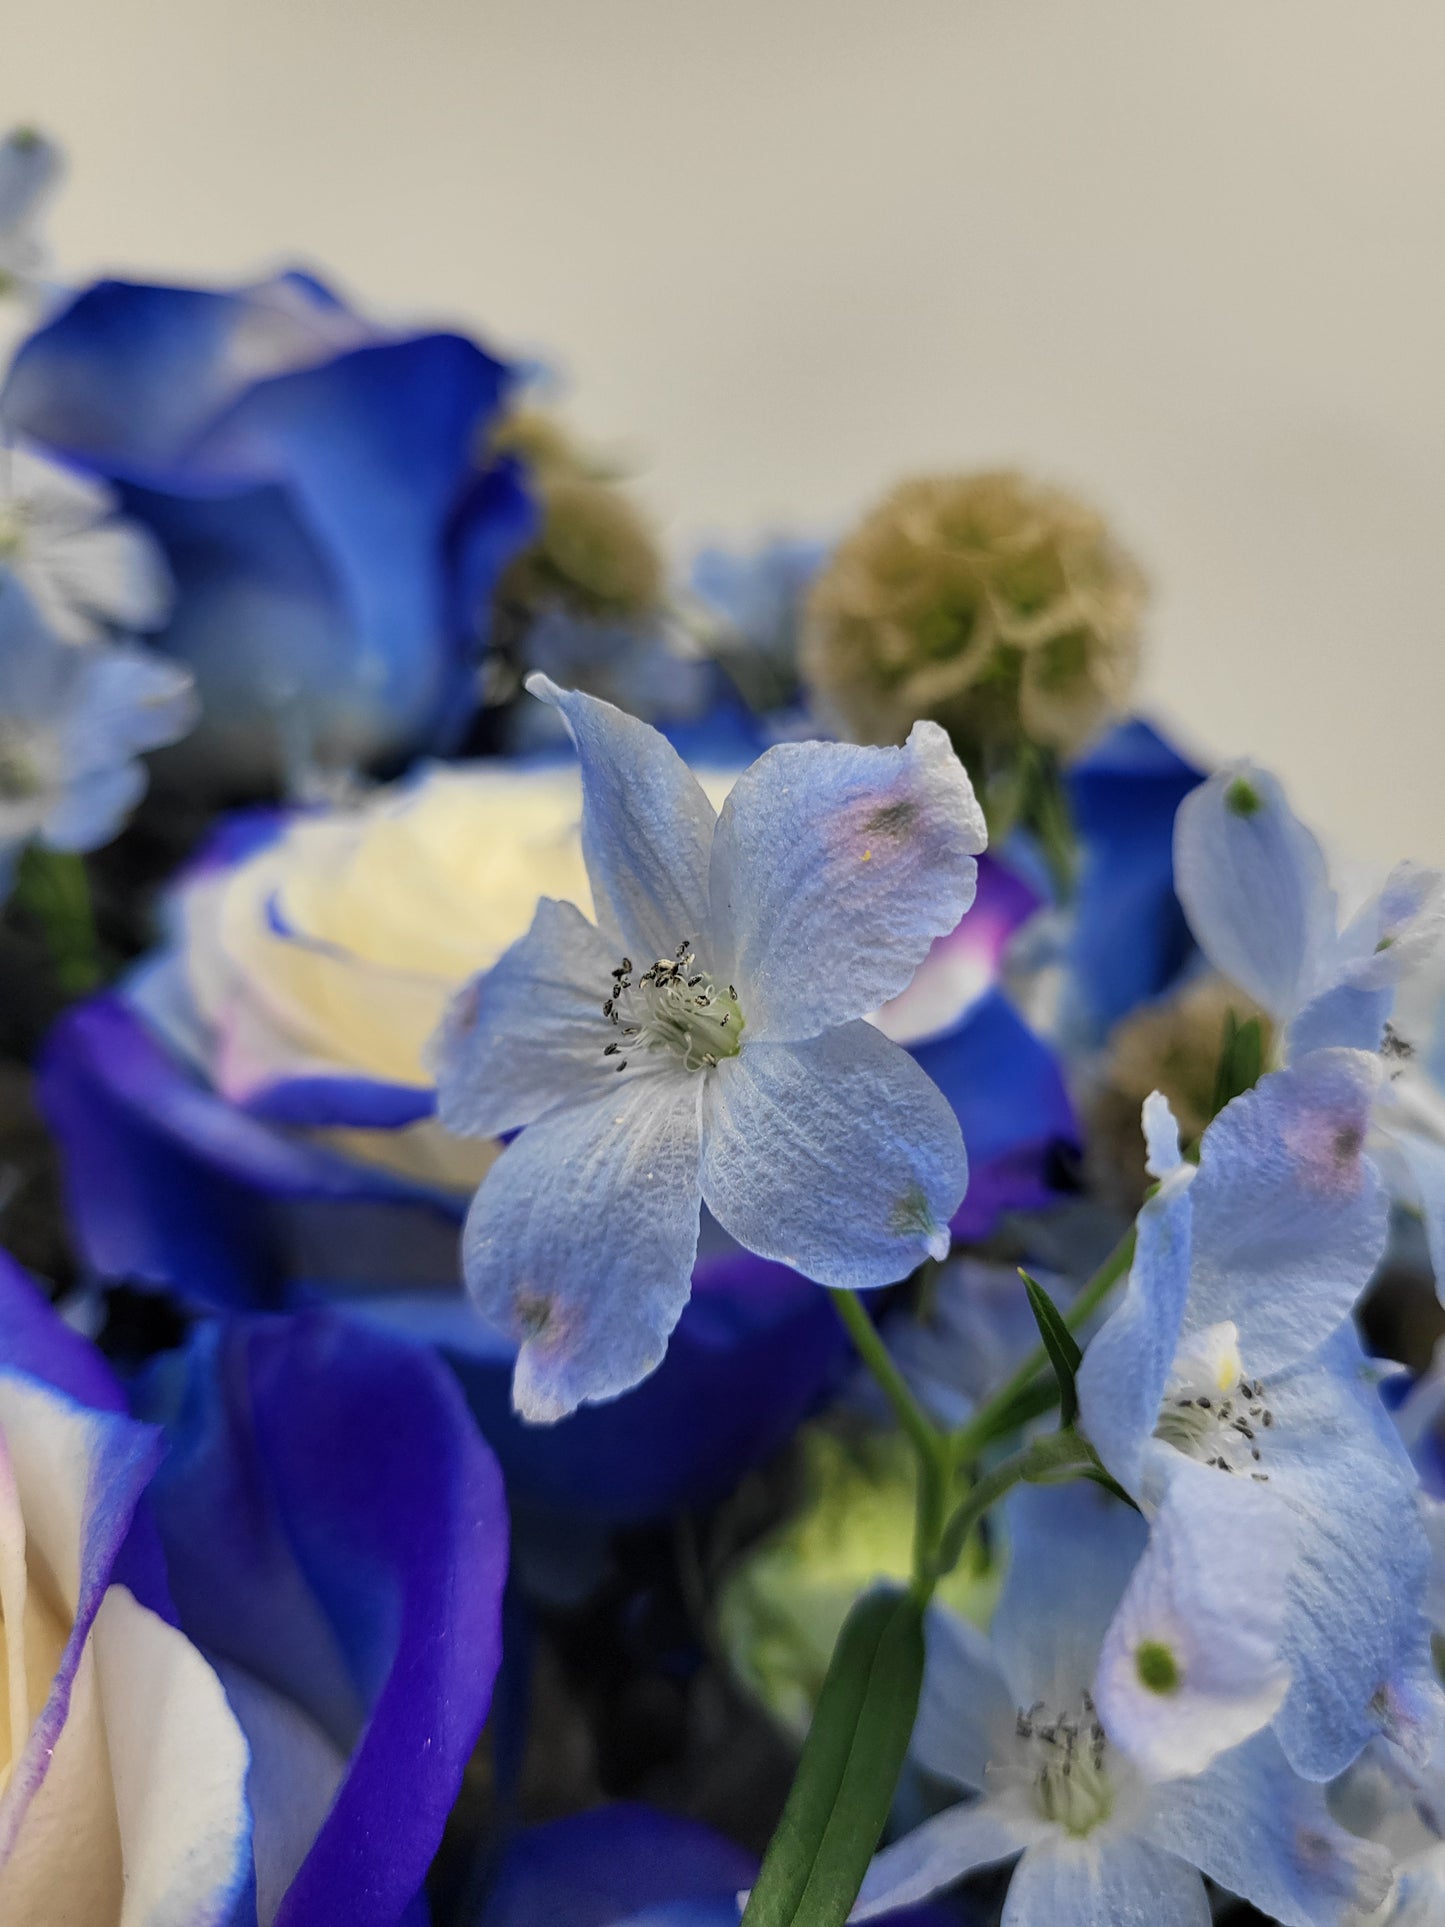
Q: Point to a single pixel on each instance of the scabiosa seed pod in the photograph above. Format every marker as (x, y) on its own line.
(990, 603)
(1173, 1046)
(596, 555)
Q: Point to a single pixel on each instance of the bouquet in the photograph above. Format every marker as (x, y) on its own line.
(685, 1243)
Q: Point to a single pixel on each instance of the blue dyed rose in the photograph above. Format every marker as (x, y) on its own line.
(309, 1506)
(313, 479)
(1128, 940)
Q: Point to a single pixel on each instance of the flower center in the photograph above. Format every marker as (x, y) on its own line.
(1213, 1411)
(1065, 1763)
(22, 765)
(675, 1007)
(14, 525)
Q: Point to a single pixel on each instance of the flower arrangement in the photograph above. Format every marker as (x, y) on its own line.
(683, 1246)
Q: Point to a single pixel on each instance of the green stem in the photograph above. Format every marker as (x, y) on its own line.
(894, 1386)
(936, 1458)
(1059, 1452)
(854, 1752)
(54, 888)
(990, 1419)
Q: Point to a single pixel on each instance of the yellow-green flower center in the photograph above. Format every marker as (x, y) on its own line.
(1066, 1761)
(672, 1007)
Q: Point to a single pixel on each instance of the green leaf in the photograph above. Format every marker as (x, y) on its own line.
(1241, 1060)
(52, 887)
(1027, 1404)
(853, 1755)
(1059, 1343)
(1110, 1484)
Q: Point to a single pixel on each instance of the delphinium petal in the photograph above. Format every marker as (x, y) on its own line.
(834, 868)
(580, 1243)
(72, 723)
(1133, 1884)
(953, 1843)
(1263, 1832)
(1356, 1642)
(1289, 1213)
(965, 1709)
(1191, 1663)
(1253, 883)
(525, 1037)
(1126, 1366)
(1264, 1387)
(647, 827)
(837, 1156)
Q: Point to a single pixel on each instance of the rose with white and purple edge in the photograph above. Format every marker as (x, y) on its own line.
(122, 1767)
(313, 1508)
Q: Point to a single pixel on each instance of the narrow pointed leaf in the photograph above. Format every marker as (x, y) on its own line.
(1059, 1343)
(851, 1760)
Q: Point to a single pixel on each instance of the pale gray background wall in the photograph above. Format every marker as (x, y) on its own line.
(1187, 254)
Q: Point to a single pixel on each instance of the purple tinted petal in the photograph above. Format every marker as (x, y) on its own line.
(335, 1527)
(127, 374)
(833, 870)
(964, 965)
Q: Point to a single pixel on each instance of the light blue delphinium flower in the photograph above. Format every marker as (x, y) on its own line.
(1256, 890)
(30, 167)
(701, 1043)
(1102, 1846)
(72, 724)
(89, 571)
(1191, 1664)
(1232, 1351)
(1400, 1806)
(750, 609)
